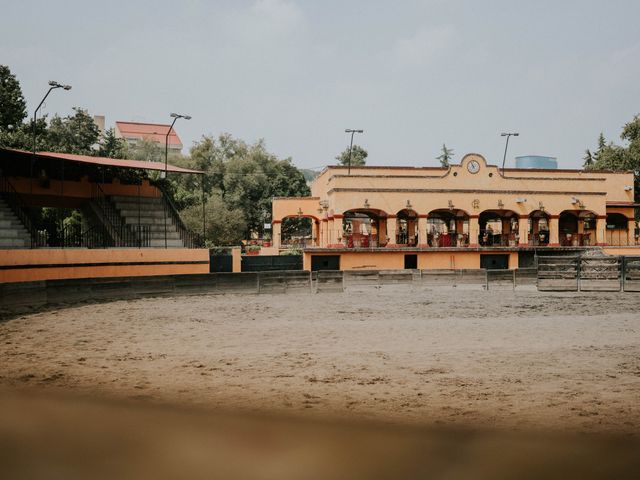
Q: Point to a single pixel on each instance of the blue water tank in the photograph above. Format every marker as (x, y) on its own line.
(537, 161)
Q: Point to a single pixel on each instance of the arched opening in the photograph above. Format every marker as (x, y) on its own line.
(577, 228)
(407, 227)
(498, 228)
(297, 232)
(538, 228)
(448, 228)
(364, 228)
(617, 229)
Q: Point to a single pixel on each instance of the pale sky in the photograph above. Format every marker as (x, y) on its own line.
(413, 74)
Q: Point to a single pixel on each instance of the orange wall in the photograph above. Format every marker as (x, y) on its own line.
(149, 259)
(81, 189)
(381, 260)
(629, 251)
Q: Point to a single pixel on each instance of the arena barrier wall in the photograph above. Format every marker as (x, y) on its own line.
(333, 280)
(55, 264)
(31, 296)
(589, 274)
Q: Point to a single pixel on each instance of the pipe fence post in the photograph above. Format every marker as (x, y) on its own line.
(578, 273)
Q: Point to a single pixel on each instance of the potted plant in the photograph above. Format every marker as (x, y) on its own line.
(266, 241)
(253, 250)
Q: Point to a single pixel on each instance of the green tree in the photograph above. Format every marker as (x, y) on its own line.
(13, 108)
(358, 156)
(224, 225)
(245, 176)
(112, 146)
(76, 133)
(622, 158)
(446, 156)
(588, 159)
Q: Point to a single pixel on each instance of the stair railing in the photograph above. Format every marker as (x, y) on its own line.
(21, 210)
(171, 211)
(124, 235)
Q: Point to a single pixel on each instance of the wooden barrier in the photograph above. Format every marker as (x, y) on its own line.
(589, 274)
(329, 281)
(631, 276)
(600, 274)
(31, 296)
(558, 273)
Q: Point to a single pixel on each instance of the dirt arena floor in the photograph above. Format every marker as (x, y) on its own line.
(507, 360)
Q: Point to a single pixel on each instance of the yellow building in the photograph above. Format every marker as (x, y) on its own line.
(469, 215)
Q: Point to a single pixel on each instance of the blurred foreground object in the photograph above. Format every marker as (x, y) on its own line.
(65, 437)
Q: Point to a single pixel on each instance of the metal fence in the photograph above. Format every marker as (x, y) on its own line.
(589, 274)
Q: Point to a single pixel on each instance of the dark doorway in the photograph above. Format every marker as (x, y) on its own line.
(494, 262)
(325, 262)
(220, 263)
(265, 263)
(410, 261)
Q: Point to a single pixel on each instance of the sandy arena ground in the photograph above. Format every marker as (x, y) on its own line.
(523, 360)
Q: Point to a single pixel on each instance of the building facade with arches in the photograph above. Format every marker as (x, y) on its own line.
(462, 216)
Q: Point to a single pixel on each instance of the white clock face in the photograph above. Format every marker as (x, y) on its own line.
(473, 166)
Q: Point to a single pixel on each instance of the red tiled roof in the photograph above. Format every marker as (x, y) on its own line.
(156, 132)
(104, 161)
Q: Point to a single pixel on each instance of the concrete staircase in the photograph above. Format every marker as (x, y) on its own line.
(148, 212)
(12, 232)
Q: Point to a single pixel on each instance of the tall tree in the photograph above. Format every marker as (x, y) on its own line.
(588, 159)
(244, 176)
(616, 157)
(112, 146)
(13, 108)
(76, 133)
(358, 156)
(224, 225)
(446, 156)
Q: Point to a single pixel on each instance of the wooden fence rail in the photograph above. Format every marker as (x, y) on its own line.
(589, 274)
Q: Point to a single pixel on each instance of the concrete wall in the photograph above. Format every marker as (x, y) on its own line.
(49, 264)
(394, 259)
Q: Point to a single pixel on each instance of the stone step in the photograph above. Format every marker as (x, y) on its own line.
(11, 224)
(159, 243)
(12, 233)
(134, 200)
(14, 243)
(143, 213)
(149, 221)
(160, 235)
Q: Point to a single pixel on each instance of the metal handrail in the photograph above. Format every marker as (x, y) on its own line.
(124, 235)
(20, 208)
(170, 208)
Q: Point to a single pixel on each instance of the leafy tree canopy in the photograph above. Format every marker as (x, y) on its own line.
(112, 146)
(358, 156)
(13, 108)
(245, 176)
(76, 133)
(610, 156)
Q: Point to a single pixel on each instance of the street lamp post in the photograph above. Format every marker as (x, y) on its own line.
(505, 134)
(175, 117)
(53, 85)
(352, 132)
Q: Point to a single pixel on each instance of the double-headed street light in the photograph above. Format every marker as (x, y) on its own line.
(53, 85)
(175, 117)
(505, 134)
(352, 132)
